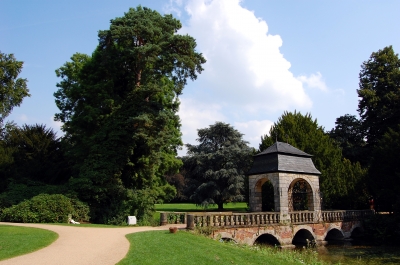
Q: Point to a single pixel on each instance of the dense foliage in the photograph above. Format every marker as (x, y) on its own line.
(12, 89)
(339, 177)
(379, 92)
(350, 136)
(373, 139)
(33, 162)
(215, 168)
(119, 109)
(45, 208)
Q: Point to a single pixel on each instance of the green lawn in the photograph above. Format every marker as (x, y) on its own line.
(17, 240)
(190, 207)
(162, 247)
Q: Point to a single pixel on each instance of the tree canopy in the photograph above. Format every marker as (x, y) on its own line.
(349, 134)
(215, 167)
(12, 89)
(119, 109)
(339, 177)
(379, 92)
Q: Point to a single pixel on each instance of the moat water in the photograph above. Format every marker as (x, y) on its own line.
(357, 253)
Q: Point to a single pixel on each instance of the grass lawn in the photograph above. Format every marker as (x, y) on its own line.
(16, 240)
(190, 207)
(87, 225)
(162, 247)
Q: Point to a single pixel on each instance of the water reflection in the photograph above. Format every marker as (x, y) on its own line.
(346, 252)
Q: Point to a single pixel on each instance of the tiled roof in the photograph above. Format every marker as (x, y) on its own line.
(283, 148)
(282, 157)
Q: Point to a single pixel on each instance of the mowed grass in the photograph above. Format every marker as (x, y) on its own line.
(191, 207)
(163, 247)
(17, 240)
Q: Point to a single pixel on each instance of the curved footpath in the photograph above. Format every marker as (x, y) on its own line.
(81, 245)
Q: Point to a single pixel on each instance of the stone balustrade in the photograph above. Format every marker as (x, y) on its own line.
(345, 215)
(235, 219)
(301, 217)
(173, 218)
(213, 219)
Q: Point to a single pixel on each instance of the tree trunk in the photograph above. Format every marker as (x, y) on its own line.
(220, 206)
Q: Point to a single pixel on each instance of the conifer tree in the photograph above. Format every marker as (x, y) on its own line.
(339, 177)
(119, 109)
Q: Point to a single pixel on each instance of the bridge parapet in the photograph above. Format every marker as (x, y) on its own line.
(302, 217)
(345, 215)
(235, 219)
(255, 219)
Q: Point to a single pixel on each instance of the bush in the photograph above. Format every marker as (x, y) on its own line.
(25, 190)
(45, 208)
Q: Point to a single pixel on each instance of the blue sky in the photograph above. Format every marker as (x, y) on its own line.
(264, 57)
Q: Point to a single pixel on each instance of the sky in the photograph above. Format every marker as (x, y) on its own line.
(264, 57)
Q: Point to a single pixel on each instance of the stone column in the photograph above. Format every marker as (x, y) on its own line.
(163, 219)
(190, 221)
(283, 187)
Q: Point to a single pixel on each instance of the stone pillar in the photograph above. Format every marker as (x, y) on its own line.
(163, 219)
(190, 221)
(283, 187)
(256, 202)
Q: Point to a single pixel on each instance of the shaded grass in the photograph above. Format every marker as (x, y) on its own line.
(191, 207)
(16, 240)
(161, 247)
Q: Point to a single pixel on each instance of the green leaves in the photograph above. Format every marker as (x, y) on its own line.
(379, 92)
(216, 167)
(12, 88)
(119, 111)
(338, 176)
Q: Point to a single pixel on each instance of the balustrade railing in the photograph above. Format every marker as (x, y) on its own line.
(173, 218)
(261, 218)
(236, 219)
(300, 217)
(345, 215)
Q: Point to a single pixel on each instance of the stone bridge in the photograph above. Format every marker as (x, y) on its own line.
(266, 227)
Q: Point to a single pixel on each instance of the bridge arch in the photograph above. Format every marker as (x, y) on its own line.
(334, 234)
(267, 239)
(227, 236)
(356, 231)
(303, 233)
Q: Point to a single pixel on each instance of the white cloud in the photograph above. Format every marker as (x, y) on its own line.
(244, 64)
(246, 78)
(23, 118)
(314, 81)
(253, 130)
(56, 125)
(196, 115)
(173, 6)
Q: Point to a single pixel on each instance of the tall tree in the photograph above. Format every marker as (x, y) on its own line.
(379, 92)
(119, 109)
(216, 167)
(384, 172)
(12, 89)
(339, 177)
(349, 134)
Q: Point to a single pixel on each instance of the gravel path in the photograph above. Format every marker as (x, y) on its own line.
(81, 245)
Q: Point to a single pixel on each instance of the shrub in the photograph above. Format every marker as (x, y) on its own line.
(45, 208)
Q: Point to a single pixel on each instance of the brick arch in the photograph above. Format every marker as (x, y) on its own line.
(277, 237)
(226, 235)
(333, 229)
(302, 228)
(311, 196)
